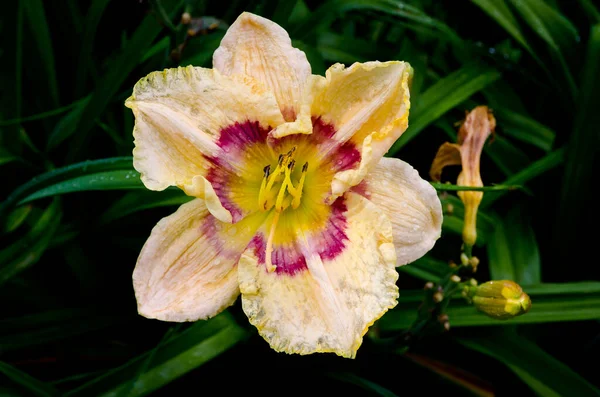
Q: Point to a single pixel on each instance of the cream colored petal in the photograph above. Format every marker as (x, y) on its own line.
(257, 47)
(332, 297)
(411, 204)
(187, 268)
(367, 100)
(179, 115)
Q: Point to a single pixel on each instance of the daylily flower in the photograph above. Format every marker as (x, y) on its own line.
(295, 207)
(474, 131)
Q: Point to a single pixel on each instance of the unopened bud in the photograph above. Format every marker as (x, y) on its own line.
(503, 299)
(438, 297)
(428, 285)
(464, 259)
(474, 262)
(455, 279)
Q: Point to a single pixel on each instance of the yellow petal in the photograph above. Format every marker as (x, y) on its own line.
(366, 100)
(411, 204)
(187, 268)
(327, 301)
(447, 154)
(260, 48)
(179, 116)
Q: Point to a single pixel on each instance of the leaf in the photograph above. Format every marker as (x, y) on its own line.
(591, 10)
(331, 10)
(62, 174)
(426, 268)
(111, 82)
(550, 303)
(334, 47)
(137, 201)
(16, 218)
(444, 96)
(52, 326)
(577, 191)
(447, 187)
(42, 115)
(34, 12)
(498, 250)
(194, 347)
(542, 372)
(109, 180)
(84, 61)
(524, 128)
(499, 11)
(513, 252)
(535, 169)
(28, 250)
(7, 157)
(556, 30)
(363, 383)
(29, 383)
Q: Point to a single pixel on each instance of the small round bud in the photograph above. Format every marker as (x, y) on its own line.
(447, 326)
(438, 297)
(455, 279)
(186, 18)
(464, 259)
(428, 285)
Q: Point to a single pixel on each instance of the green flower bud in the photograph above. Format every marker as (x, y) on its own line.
(501, 299)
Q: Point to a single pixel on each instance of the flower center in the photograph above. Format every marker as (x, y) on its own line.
(277, 189)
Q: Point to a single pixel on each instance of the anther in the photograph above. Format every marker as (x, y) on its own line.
(267, 171)
(305, 167)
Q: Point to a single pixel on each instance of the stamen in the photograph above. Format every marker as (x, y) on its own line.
(298, 195)
(269, 248)
(285, 166)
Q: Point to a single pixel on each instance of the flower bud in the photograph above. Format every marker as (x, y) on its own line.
(501, 299)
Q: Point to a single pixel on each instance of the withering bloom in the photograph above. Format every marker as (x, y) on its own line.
(295, 207)
(474, 131)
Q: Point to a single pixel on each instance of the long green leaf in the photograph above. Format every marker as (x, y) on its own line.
(535, 169)
(543, 373)
(333, 9)
(84, 62)
(53, 326)
(498, 250)
(365, 384)
(109, 180)
(556, 30)
(192, 348)
(513, 251)
(119, 70)
(28, 250)
(444, 96)
(499, 11)
(426, 268)
(524, 128)
(550, 303)
(577, 189)
(40, 116)
(136, 201)
(28, 382)
(34, 12)
(62, 174)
